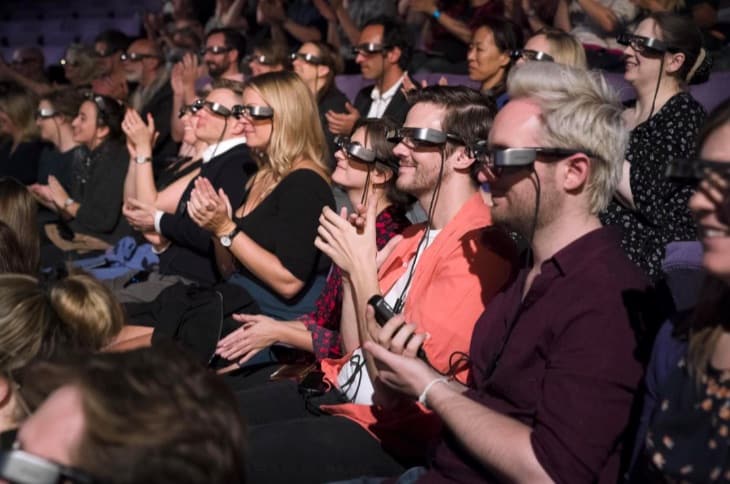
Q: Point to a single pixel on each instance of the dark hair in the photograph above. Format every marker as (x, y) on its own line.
(12, 257)
(151, 415)
(395, 34)
(19, 210)
(65, 101)
(507, 37)
(115, 40)
(469, 114)
(233, 39)
(109, 113)
(276, 51)
(332, 59)
(682, 35)
(386, 161)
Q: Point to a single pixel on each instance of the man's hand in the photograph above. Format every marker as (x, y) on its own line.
(342, 123)
(394, 347)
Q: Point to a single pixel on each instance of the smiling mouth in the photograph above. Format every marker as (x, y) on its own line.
(713, 232)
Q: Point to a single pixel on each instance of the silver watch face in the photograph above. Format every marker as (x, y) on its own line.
(226, 241)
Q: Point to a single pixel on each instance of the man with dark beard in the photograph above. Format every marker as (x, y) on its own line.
(222, 54)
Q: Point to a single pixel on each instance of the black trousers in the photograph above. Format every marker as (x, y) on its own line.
(290, 441)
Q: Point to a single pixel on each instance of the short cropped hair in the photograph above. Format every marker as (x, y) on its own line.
(150, 415)
(579, 111)
(469, 114)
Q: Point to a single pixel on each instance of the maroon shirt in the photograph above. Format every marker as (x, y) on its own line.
(568, 369)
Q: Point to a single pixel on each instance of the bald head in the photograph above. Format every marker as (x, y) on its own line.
(143, 62)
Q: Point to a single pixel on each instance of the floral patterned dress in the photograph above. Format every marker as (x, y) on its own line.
(689, 437)
(662, 214)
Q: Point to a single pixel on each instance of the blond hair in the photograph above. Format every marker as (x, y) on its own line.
(579, 111)
(564, 47)
(296, 133)
(19, 104)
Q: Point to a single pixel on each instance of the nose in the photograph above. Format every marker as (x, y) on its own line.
(401, 150)
(340, 155)
(359, 58)
(520, 60)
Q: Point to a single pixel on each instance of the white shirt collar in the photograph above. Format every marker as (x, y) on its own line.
(222, 147)
(387, 95)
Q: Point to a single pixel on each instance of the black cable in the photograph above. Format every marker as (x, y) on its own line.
(400, 302)
(220, 138)
(656, 90)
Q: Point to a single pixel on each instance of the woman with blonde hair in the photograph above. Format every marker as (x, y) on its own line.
(267, 244)
(554, 45)
(20, 146)
(42, 320)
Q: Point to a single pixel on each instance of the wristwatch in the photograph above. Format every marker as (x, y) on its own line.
(227, 239)
(140, 160)
(68, 202)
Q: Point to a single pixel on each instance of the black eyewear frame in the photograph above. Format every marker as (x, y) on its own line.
(531, 55)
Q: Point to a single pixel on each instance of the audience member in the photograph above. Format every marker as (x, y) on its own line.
(282, 203)
(664, 121)
(223, 52)
(56, 111)
(19, 211)
(109, 45)
(268, 56)
(448, 31)
(20, 147)
(144, 65)
(41, 320)
(490, 55)
(383, 53)
(317, 64)
(27, 69)
(80, 66)
(187, 251)
(94, 217)
(445, 270)
(164, 419)
(367, 170)
(344, 20)
(685, 407)
(538, 346)
(553, 45)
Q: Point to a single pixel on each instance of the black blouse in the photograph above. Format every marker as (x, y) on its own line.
(661, 214)
(285, 222)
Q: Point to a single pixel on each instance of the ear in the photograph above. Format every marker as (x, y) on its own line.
(322, 71)
(461, 161)
(102, 131)
(393, 55)
(576, 172)
(5, 391)
(674, 62)
(504, 59)
(236, 127)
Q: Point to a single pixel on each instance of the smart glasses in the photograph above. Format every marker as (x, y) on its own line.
(214, 108)
(260, 59)
(693, 170)
(187, 109)
(43, 113)
(420, 137)
(497, 159)
(135, 57)
(643, 44)
(253, 112)
(308, 58)
(105, 53)
(67, 62)
(531, 55)
(355, 150)
(20, 467)
(215, 49)
(369, 48)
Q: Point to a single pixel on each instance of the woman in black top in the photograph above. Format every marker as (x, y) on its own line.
(317, 64)
(98, 181)
(651, 210)
(20, 147)
(269, 240)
